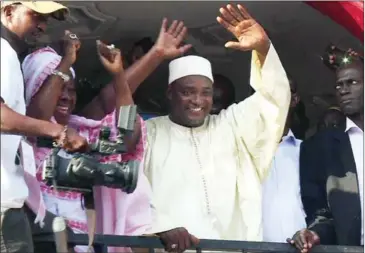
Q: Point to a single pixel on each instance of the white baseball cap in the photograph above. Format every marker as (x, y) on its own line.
(57, 10)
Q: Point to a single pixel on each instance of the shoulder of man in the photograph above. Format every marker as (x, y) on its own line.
(153, 124)
(156, 121)
(321, 138)
(8, 54)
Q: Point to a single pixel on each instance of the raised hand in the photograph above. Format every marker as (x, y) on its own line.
(168, 44)
(111, 58)
(70, 44)
(249, 33)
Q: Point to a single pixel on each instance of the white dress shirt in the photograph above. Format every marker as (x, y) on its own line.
(283, 213)
(14, 190)
(356, 136)
(208, 179)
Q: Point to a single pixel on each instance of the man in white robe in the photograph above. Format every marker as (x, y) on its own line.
(206, 170)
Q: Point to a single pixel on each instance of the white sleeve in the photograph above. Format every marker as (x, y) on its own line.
(9, 65)
(258, 121)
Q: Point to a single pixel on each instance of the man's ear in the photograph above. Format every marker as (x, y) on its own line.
(169, 93)
(8, 10)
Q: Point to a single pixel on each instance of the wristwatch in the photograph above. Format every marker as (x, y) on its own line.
(64, 76)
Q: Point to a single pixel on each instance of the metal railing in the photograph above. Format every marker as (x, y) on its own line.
(102, 242)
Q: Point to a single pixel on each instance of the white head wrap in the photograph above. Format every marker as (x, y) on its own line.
(37, 66)
(188, 66)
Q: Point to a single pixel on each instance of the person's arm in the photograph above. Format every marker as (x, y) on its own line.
(260, 119)
(49, 92)
(17, 124)
(11, 121)
(123, 96)
(102, 104)
(167, 47)
(313, 190)
(258, 122)
(51, 86)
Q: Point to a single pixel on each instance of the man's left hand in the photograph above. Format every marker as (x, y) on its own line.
(249, 33)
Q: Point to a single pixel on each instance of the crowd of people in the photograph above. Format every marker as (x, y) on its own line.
(210, 169)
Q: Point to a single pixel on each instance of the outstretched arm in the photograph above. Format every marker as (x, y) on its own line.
(168, 46)
(16, 123)
(48, 87)
(112, 61)
(259, 120)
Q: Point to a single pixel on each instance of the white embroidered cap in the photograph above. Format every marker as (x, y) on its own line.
(188, 66)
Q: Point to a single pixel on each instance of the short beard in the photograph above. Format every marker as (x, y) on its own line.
(195, 123)
(188, 123)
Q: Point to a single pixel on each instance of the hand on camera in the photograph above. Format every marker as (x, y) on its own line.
(111, 58)
(71, 44)
(71, 141)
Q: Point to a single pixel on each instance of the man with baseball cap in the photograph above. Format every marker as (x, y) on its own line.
(20, 20)
(206, 170)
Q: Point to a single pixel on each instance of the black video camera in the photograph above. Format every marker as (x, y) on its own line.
(80, 172)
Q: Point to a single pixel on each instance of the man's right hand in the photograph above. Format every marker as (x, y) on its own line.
(75, 142)
(304, 240)
(168, 44)
(178, 240)
(70, 47)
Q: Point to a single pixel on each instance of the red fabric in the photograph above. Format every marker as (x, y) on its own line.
(348, 14)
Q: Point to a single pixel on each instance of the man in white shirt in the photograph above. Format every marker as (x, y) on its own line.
(282, 208)
(19, 20)
(331, 166)
(206, 170)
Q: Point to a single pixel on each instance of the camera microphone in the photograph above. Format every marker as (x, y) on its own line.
(60, 234)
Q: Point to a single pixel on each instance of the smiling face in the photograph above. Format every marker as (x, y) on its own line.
(23, 21)
(350, 89)
(66, 103)
(191, 100)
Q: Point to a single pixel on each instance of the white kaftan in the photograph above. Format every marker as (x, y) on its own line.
(208, 179)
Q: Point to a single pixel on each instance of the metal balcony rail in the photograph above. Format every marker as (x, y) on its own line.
(102, 242)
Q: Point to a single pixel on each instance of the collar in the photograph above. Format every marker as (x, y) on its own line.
(19, 45)
(189, 129)
(351, 125)
(290, 137)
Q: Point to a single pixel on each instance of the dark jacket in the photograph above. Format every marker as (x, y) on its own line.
(329, 188)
